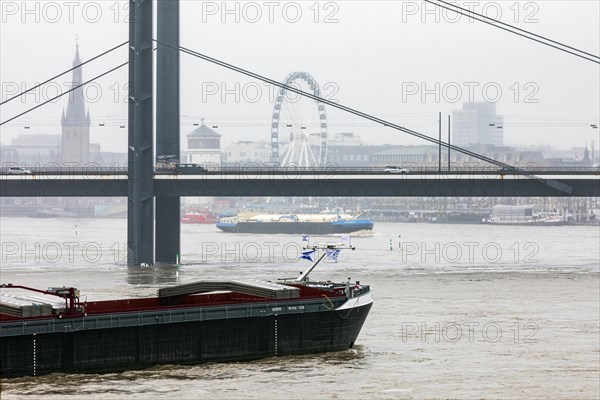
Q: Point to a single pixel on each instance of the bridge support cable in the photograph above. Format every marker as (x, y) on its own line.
(62, 73)
(354, 111)
(515, 30)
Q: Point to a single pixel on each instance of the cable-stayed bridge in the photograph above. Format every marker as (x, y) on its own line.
(154, 199)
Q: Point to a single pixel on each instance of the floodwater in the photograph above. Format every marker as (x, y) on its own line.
(461, 311)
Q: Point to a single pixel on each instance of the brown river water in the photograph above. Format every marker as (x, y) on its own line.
(461, 311)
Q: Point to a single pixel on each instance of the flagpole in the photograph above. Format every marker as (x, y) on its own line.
(305, 274)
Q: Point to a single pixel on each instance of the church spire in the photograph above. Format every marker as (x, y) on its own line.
(75, 120)
(77, 60)
(76, 113)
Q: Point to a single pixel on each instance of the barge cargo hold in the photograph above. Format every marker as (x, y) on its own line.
(187, 324)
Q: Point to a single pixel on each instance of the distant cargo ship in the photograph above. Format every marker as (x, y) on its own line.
(314, 224)
(186, 324)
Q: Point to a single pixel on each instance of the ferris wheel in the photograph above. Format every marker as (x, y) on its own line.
(299, 125)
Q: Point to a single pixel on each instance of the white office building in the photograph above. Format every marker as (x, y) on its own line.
(247, 151)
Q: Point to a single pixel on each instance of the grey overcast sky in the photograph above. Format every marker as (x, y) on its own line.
(401, 60)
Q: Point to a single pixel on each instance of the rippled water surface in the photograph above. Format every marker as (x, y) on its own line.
(461, 311)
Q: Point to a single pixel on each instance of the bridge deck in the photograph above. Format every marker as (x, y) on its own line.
(293, 183)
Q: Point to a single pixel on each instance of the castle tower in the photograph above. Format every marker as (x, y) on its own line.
(204, 146)
(76, 123)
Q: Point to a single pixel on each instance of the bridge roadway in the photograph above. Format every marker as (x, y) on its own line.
(583, 183)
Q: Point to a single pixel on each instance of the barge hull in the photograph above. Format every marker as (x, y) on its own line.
(193, 342)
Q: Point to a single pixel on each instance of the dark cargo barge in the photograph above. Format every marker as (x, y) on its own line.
(187, 324)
